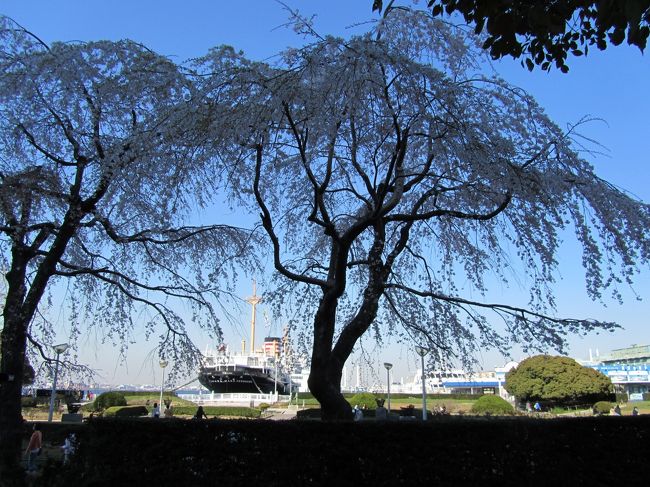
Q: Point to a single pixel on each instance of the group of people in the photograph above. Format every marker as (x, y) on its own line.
(35, 447)
(616, 411)
(35, 444)
(168, 413)
(537, 407)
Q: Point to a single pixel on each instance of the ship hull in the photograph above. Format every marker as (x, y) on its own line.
(240, 381)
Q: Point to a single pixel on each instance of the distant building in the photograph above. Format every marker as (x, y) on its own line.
(628, 369)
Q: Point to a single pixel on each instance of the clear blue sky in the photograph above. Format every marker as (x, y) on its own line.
(610, 85)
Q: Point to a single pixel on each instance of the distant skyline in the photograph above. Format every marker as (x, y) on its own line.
(610, 86)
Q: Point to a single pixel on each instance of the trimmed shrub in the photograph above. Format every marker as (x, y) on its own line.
(109, 399)
(234, 411)
(311, 413)
(364, 400)
(126, 411)
(491, 404)
(602, 407)
(263, 406)
(28, 402)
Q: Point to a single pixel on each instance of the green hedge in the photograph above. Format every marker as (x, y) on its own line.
(28, 402)
(109, 399)
(512, 451)
(364, 400)
(148, 393)
(461, 397)
(240, 412)
(126, 411)
(311, 413)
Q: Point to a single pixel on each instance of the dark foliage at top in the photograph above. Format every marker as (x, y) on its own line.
(545, 32)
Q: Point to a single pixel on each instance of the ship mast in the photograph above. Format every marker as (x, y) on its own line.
(253, 300)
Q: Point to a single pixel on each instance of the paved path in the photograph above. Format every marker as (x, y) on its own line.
(280, 414)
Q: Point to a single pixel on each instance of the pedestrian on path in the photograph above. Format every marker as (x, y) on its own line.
(34, 448)
(68, 447)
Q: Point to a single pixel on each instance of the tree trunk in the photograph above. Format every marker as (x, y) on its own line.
(327, 361)
(17, 314)
(325, 374)
(13, 359)
(325, 384)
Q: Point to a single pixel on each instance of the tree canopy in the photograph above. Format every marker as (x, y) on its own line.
(388, 170)
(98, 185)
(545, 32)
(559, 380)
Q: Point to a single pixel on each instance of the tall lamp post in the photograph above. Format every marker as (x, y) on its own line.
(388, 367)
(163, 364)
(422, 352)
(59, 349)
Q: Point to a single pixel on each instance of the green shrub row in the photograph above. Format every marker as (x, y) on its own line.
(126, 411)
(28, 402)
(456, 451)
(461, 397)
(241, 412)
(148, 393)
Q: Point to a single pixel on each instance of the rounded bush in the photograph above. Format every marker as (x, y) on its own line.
(126, 411)
(602, 407)
(28, 402)
(263, 406)
(364, 400)
(490, 404)
(109, 399)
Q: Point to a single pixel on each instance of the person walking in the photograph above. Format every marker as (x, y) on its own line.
(69, 447)
(34, 448)
(155, 412)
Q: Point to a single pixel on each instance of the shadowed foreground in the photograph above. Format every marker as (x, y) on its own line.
(446, 451)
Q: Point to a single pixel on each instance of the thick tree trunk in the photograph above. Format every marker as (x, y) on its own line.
(19, 308)
(327, 360)
(325, 374)
(325, 384)
(13, 359)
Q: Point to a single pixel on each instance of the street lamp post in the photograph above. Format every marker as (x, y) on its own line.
(275, 380)
(163, 363)
(388, 367)
(422, 352)
(59, 349)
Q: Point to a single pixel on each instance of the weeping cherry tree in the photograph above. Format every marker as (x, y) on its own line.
(99, 184)
(391, 176)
